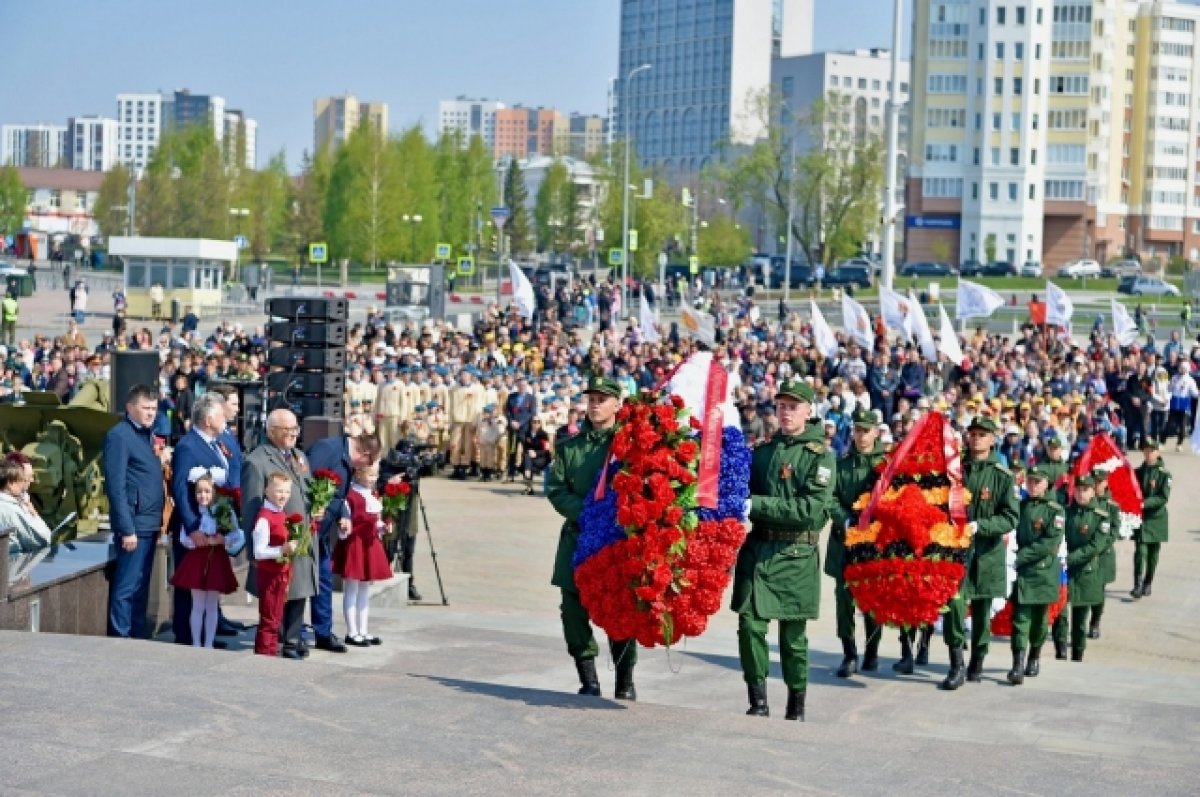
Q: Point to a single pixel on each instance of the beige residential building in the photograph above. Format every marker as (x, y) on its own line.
(334, 118)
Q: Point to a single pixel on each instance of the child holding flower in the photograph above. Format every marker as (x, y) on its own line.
(359, 557)
(273, 567)
(205, 569)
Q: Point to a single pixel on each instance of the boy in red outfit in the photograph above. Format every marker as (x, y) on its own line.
(271, 545)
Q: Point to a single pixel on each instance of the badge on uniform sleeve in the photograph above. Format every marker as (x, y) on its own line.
(1104, 526)
(985, 494)
(1059, 522)
(1037, 524)
(1083, 530)
(823, 474)
(785, 472)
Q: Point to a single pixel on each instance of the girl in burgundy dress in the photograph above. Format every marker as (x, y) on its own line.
(205, 570)
(359, 557)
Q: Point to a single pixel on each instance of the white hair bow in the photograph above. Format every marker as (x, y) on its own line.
(217, 474)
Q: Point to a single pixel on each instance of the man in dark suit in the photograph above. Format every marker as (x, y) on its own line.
(196, 450)
(231, 448)
(342, 455)
(519, 408)
(133, 481)
(280, 454)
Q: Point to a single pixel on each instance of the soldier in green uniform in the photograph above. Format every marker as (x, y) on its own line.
(778, 572)
(1156, 490)
(1088, 527)
(1039, 533)
(993, 512)
(1054, 462)
(577, 463)
(1108, 557)
(856, 474)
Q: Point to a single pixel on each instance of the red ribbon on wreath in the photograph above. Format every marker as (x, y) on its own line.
(958, 509)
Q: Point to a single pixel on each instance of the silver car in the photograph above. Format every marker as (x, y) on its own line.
(1031, 268)
(1148, 286)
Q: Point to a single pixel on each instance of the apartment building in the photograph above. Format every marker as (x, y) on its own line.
(334, 118)
(91, 143)
(139, 128)
(41, 145)
(522, 132)
(468, 118)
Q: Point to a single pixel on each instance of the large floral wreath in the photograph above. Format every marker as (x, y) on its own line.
(907, 556)
(656, 546)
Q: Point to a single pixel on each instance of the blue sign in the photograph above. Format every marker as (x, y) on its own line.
(499, 216)
(933, 222)
(241, 241)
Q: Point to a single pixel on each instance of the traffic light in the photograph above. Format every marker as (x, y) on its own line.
(495, 245)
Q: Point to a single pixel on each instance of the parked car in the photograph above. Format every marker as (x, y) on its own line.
(970, 268)
(924, 269)
(1031, 268)
(844, 275)
(801, 276)
(1122, 268)
(1078, 269)
(1147, 286)
(998, 268)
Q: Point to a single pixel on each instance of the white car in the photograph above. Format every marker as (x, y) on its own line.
(1031, 268)
(1077, 269)
(1147, 286)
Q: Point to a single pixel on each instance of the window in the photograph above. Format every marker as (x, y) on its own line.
(55, 200)
(994, 191)
(996, 117)
(1033, 157)
(999, 51)
(1020, 15)
(1032, 191)
(787, 85)
(903, 88)
(975, 191)
(875, 85)
(1037, 85)
(945, 117)
(1016, 121)
(983, 16)
(862, 83)
(976, 159)
(995, 156)
(1017, 85)
(1000, 15)
(998, 85)
(947, 84)
(1019, 50)
(833, 81)
(978, 121)
(1035, 116)
(1069, 84)
(942, 187)
(1013, 189)
(1064, 189)
(981, 48)
(941, 153)
(179, 276)
(847, 82)
(1014, 156)
(1037, 50)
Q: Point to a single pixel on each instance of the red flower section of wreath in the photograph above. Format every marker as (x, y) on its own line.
(905, 592)
(1002, 621)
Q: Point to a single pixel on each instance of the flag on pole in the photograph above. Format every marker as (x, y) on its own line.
(948, 339)
(920, 328)
(1123, 324)
(648, 322)
(1059, 307)
(700, 325)
(823, 337)
(857, 323)
(976, 301)
(897, 315)
(522, 291)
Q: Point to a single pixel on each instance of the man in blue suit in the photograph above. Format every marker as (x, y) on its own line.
(198, 449)
(342, 455)
(133, 481)
(519, 409)
(228, 443)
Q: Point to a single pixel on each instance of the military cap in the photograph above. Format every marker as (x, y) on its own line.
(605, 385)
(796, 389)
(490, 408)
(1054, 441)
(984, 423)
(1086, 480)
(1150, 442)
(865, 419)
(355, 403)
(432, 405)
(1039, 472)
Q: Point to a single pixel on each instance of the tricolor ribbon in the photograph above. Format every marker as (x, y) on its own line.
(708, 478)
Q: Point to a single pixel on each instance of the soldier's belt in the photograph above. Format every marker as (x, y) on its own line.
(786, 535)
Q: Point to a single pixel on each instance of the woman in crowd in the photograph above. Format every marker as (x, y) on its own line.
(28, 532)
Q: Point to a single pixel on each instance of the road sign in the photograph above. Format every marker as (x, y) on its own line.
(633, 240)
(615, 257)
(442, 252)
(934, 222)
(499, 217)
(694, 264)
(241, 241)
(466, 266)
(318, 252)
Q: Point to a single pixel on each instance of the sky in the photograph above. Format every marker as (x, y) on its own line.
(272, 58)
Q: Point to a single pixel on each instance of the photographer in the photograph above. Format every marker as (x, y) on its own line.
(535, 448)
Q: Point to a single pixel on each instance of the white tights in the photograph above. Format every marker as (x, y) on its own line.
(356, 605)
(204, 616)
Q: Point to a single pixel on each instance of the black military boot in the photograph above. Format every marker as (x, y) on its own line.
(954, 678)
(795, 706)
(625, 689)
(975, 668)
(1076, 654)
(923, 645)
(459, 474)
(1060, 650)
(487, 475)
(870, 662)
(758, 700)
(849, 659)
(589, 682)
(1137, 588)
(1016, 676)
(905, 665)
(1146, 587)
(1033, 666)
(1094, 628)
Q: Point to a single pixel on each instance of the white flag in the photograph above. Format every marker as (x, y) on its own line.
(857, 323)
(823, 337)
(976, 301)
(948, 339)
(522, 291)
(920, 328)
(897, 315)
(1123, 324)
(647, 322)
(700, 325)
(1059, 307)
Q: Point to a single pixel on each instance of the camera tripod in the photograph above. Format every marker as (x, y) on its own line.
(404, 550)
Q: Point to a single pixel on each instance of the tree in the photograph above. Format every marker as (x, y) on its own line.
(659, 218)
(308, 221)
(362, 216)
(13, 199)
(112, 202)
(416, 190)
(555, 209)
(267, 196)
(185, 191)
(516, 199)
(723, 242)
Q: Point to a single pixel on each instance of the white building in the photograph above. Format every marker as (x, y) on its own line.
(469, 118)
(238, 131)
(139, 128)
(42, 145)
(91, 143)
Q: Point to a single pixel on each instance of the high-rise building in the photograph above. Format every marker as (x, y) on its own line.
(585, 136)
(522, 132)
(91, 143)
(709, 60)
(139, 128)
(184, 109)
(469, 118)
(239, 139)
(334, 118)
(40, 145)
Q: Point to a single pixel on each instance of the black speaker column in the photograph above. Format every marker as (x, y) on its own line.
(131, 368)
(307, 359)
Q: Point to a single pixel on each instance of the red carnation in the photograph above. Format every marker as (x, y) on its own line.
(295, 517)
(326, 473)
(687, 451)
(677, 401)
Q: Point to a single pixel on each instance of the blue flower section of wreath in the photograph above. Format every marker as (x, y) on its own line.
(733, 485)
(598, 520)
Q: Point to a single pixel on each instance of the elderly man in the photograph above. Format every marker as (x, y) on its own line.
(280, 454)
(133, 481)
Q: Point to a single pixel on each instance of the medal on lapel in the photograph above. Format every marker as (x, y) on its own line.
(1037, 524)
(785, 472)
(985, 494)
(1083, 530)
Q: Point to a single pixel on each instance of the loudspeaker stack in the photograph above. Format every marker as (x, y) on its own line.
(307, 361)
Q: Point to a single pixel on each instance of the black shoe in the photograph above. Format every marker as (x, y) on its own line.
(358, 641)
(486, 477)
(459, 474)
(926, 634)
(1137, 589)
(331, 643)
(219, 645)
(975, 668)
(1060, 650)
(625, 690)
(304, 649)
(758, 700)
(589, 682)
(1146, 588)
(1016, 676)
(954, 678)
(374, 640)
(1033, 666)
(413, 595)
(905, 665)
(870, 662)
(795, 706)
(527, 491)
(849, 659)
(234, 625)
(291, 653)
(1076, 654)
(1094, 630)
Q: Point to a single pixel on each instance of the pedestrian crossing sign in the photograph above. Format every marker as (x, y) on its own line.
(466, 266)
(694, 265)
(615, 257)
(442, 252)
(318, 252)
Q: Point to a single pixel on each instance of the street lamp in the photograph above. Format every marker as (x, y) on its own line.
(238, 214)
(625, 199)
(412, 222)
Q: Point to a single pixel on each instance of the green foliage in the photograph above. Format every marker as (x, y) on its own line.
(660, 219)
(308, 221)
(112, 202)
(940, 249)
(1178, 265)
(516, 199)
(267, 195)
(13, 199)
(989, 247)
(362, 207)
(556, 210)
(722, 242)
(186, 190)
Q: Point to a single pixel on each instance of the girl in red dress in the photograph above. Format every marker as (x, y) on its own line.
(359, 557)
(205, 570)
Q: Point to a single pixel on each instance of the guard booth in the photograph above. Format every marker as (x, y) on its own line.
(415, 293)
(190, 271)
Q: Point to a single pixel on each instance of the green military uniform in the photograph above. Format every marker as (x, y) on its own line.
(1108, 556)
(1088, 529)
(994, 510)
(1039, 534)
(578, 461)
(856, 474)
(778, 572)
(1057, 469)
(1155, 482)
